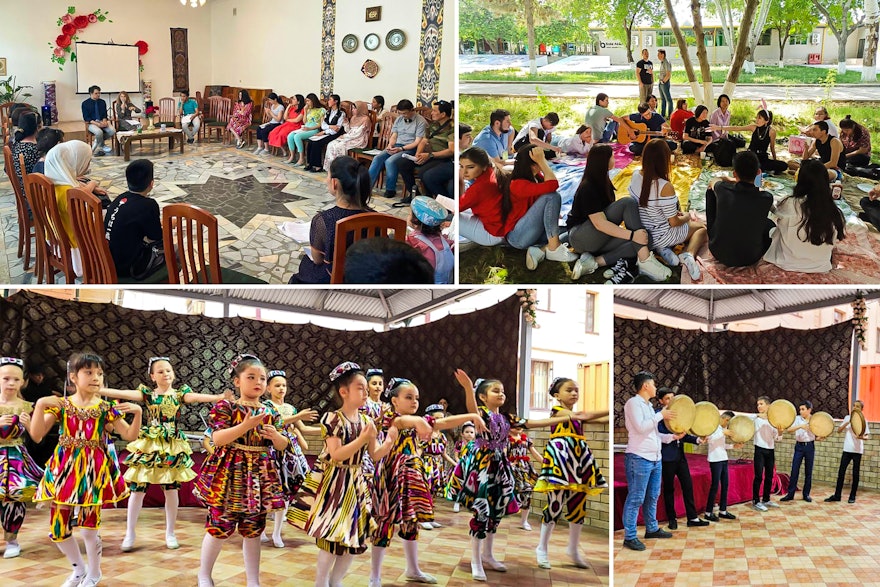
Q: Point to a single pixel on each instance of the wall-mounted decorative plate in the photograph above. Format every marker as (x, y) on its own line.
(350, 43)
(395, 39)
(370, 68)
(372, 42)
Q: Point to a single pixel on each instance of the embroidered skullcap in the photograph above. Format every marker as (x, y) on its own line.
(428, 211)
(11, 361)
(478, 381)
(434, 408)
(394, 383)
(554, 385)
(238, 359)
(374, 372)
(275, 373)
(343, 368)
(153, 360)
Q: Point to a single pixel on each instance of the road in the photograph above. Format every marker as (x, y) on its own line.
(840, 93)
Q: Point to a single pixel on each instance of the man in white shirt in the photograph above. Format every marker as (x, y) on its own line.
(853, 448)
(717, 457)
(765, 457)
(539, 132)
(643, 462)
(804, 451)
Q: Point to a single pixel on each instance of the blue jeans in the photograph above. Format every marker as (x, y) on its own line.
(610, 131)
(539, 224)
(389, 162)
(643, 486)
(665, 99)
(100, 135)
(471, 228)
(803, 451)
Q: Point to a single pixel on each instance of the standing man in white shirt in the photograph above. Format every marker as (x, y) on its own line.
(643, 462)
(853, 448)
(765, 456)
(804, 451)
(717, 457)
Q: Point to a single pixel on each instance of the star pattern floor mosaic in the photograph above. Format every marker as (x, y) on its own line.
(818, 544)
(251, 196)
(444, 552)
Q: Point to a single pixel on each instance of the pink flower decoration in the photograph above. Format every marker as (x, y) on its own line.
(59, 52)
(67, 18)
(93, 18)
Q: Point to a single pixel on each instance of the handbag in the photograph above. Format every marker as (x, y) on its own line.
(148, 261)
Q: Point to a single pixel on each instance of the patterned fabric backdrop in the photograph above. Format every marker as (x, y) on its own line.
(429, 54)
(328, 40)
(731, 369)
(51, 101)
(46, 330)
(180, 59)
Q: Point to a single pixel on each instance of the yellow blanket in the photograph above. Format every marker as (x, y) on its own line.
(682, 175)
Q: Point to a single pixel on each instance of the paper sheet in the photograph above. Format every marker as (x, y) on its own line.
(298, 231)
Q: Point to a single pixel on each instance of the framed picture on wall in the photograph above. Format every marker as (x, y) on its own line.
(3, 66)
(374, 13)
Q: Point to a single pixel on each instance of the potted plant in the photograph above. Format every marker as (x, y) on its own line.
(10, 92)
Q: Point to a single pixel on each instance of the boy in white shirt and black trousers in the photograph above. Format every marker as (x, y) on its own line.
(765, 457)
(853, 448)
(804, 450)
(717, 457)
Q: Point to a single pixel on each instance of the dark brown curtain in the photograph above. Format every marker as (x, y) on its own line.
(732, 369)
(47, 330)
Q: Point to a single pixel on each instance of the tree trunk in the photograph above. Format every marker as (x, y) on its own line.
(629, 44)
(754, 32)
(530, 27)
(782, 42)
(741, 47)
(841, 53)
(726, 24)
(702, 56)
(685, 56)
(869, 61)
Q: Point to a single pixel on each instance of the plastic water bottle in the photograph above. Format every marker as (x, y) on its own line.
(759, 180)
(836, 190)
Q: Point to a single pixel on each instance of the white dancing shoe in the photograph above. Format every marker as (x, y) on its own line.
(426, 526)
(13, 549)
(127, 544)
(477, 572)
(91, 581)
(171, 542)
(456, 507)
(277, 542)
(74, 579)
(264, 537)
(494, 565)
(526, 526)
(206, 582)
(437, 524)
(375, 582)
(422, 578)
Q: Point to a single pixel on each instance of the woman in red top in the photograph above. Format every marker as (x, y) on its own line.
(678, 118)
(482, 198)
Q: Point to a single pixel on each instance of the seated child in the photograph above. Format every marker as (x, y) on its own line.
(426, 220)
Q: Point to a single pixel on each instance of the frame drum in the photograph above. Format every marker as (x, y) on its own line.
(742, 429)
(821, 424)
(781, 413)
(706, 419)
(857, 422)
(683, 406)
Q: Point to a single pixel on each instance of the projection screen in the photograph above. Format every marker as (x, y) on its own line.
(114, 68)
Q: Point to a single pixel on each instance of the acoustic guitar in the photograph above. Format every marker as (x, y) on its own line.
(635, 132)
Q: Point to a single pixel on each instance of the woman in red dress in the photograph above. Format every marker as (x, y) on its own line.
(293, 120)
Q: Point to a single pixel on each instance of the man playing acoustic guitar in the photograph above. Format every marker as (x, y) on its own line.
(635, 129)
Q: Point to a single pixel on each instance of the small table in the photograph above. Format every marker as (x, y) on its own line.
(125, 139)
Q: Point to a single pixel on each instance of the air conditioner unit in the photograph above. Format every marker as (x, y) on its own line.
(814, 39)
(649, 41)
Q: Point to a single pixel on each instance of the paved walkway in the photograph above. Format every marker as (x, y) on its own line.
(841, 93)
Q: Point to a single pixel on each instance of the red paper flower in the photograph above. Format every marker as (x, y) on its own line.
(68, 29)
(67, 18)
(81, 21)
(93, 18)
(142, 47)
(63, 41)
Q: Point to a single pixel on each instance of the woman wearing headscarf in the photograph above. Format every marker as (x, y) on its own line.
(357, 133)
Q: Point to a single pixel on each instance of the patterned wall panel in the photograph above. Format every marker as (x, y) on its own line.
(180, 59)
(732, 369)
(328, 42)
(46, 330)
(429, 53)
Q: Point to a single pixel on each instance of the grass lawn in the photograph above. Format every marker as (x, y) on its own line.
(766, 74)
(787, 115)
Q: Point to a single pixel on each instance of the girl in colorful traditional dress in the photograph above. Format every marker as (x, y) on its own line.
(82, 472)
(401, 494)
(19, 474)
(467, 434)
(436, 458)
(336, 494)
(239, 482)
(161, 454)
(568, 474)
(294, 469)
(483, 479)
(524, 475)
(374, 408)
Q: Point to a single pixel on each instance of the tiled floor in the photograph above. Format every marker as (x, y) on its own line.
(818, 544)
(251, 196)
(444, 552)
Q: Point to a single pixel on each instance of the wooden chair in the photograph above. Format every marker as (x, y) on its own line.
(168, 111)
(191, 233)
(252, 129)
(6, 121)
(361, 226)
(53, 246)
(381, 144)
(88, 226)
(218, 116)
(25, 221)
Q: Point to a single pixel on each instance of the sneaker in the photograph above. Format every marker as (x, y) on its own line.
(687, 259)
(634, 544)
(99, 153)
(711, 517)
(726, 516)
(622, 272)
(13, 549)
(74, 579)
(91, 581)
(585, 265)
(561, 254)
(697, 523)
(106, 148)
(658, 533)
(668, 256)
(534, 256)
(654, 269)
(771, 504)
(257, 150)
(759, 506)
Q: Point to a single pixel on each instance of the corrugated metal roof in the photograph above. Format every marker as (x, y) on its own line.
(718, 305)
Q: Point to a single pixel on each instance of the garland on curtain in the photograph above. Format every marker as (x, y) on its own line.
(860, 321)
(529, 302)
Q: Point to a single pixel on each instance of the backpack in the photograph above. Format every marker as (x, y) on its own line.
(723, 152)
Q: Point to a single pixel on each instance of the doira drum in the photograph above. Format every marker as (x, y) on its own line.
(821, 424)
(706, 419)
(857, 422)
(683, 406)
(781, 413)
(742, 429)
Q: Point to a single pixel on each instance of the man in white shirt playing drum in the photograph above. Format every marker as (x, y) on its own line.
(804, 451)
(765, 456)
(853, 448)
